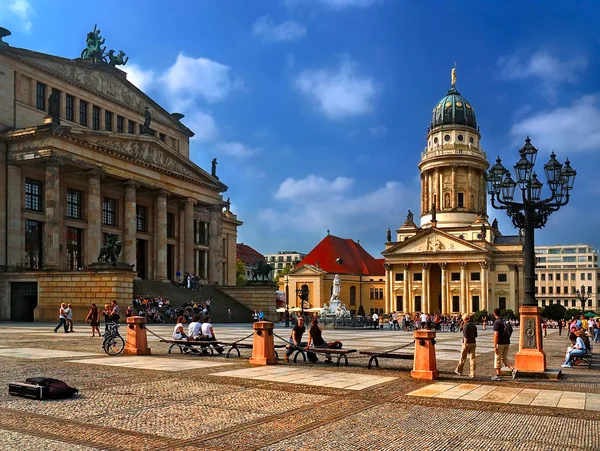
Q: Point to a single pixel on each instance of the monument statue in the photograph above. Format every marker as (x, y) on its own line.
(433, 212)
(227, 204)
(147, 119)
(94, 42)
(454, 75)
(410, 217)
(262, 269)
(117, 60)
(4, 33)
(495, 224)
(335, 293)
(388, 236)
(111, 251)
(213, 169)
(54, 105)
(483, 231)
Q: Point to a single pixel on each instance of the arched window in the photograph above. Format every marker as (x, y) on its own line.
(352, 295)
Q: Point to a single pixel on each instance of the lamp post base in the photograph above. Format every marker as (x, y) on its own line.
(531, 357)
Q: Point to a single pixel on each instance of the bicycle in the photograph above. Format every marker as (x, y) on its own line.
(113, 343)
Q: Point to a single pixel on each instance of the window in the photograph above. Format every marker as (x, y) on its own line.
(536, 276)
(417, 303)
(170, 225)
(502, 278)
(572, 302)
(582, 276)
(589, 289)
(109, 212)
(399, 277)
(455, 277)
(557, 290)
(573, 276)
(376, 293)
(108, 119)
(543, 303)
(83, 113)
(131, 127)
(120, 124)
(33, 244)
(543, 290)
(455, 303)
(543, 276)
(460, 201)
(73, 248)
(70, 108)
(550, 290)
(33, 195)
(502, 303)
(475, 276)
(475, 303)
(201, 234)
(140, 218)
(288, 258)
(372, 293)
(162, 137)
(589, 276)
(73, 203)
(380, 290)
(557, 277)
(417, 276)
(550, 276)
(399, 304)
(565, 276)
(589, 302)
(536, 290)
(40, 101)
(96, 117)
(566, 290)
(352, 295)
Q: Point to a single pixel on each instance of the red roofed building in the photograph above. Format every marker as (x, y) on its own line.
(248, 255)
(362, 276)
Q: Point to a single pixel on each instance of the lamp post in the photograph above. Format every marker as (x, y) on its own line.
(583, 296)
(302, 293)
(528, 213)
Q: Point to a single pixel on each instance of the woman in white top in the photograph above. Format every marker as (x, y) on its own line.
(178, 333)
(208, 334)
(194, 328)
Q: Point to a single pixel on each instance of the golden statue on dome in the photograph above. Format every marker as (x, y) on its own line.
(454, 75)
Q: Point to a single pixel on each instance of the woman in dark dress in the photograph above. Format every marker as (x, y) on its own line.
(92, 317)
(315, 338)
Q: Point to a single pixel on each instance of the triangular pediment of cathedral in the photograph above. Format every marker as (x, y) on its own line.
(431, 241)
(306, 270)
(101, 78)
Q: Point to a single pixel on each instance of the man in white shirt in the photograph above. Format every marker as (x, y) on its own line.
(194, 328)
(375, 320)
(423, 320)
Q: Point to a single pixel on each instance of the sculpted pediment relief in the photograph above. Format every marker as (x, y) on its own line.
(433, 241)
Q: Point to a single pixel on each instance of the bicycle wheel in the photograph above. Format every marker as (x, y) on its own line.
(113, 345)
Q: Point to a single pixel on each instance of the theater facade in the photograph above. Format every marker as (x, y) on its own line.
(86, 154)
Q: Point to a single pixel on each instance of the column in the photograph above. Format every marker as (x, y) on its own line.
(93, 236)
(454, 195)
(130, 223)
(430, 191)
(484, 288)
(160, 235)
(424, 286)
(14, 225)
(468, 192)
(407, 298)
(445, 308)
(52, 220)
(482, 192)
(389, 290)
(464, 302)
(438, 193)
(188, 213)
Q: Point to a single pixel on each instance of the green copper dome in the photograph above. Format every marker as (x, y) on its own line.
(453, 109)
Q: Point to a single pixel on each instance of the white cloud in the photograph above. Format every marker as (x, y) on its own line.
(312, 186)
(236, 149)
(378, 130)
(338, 93)
(190, 79)
(285, 31)
(22, 9)
(203, 125)
(565, 129)
(140, 77)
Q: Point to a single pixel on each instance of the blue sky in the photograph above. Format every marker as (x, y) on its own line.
(317, 110)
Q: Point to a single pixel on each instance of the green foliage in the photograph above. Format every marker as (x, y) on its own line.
(282, 273)
(572, 313)
(477, 316)
(508, 314)
(361, 310)
(554, 312)
(240, 273)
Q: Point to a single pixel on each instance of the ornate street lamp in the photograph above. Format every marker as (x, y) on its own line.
(528, 213)
(583, 296)
(302, 293)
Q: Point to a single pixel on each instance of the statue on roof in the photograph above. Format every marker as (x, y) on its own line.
(147, 119)
(410, 217)
(117, 60)
(495, 224)
(433, 213)
(54, 105)
(94, 44)
(388, 236)
(3, 33)
(213, 169)
(454, 75)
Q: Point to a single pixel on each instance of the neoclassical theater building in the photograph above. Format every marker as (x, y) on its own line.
(454, 261)
(110, 161)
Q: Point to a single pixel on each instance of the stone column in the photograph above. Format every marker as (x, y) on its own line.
(188, 228)
(130, 224)
(430, 192)
(408, 307)
(388, 290)
(425, 287)
(16, 235)
(52, 220)
(438, 191)
(482, 192)
(160, 235)
(423, 193)
(484, 287)
(469, 191)
(214, 255)
(454, 195)
(445, 308)
(464, 302)
(93, 236)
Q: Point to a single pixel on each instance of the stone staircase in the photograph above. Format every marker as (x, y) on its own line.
(219, 301)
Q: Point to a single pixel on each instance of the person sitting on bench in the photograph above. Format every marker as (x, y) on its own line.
(195, 328)
(315, 337)
(208, 333)
(296, 338)
(577, 350)
(178, 333)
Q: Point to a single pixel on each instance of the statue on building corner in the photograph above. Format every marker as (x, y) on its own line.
(111, 251)
(410, 217)
(94, 42)
(213, 170)
(388, 236)
(454, 75)
(4, 33)
(54, 105)
(495, 224)
(433, 213)
(117, 60)
(227, 205)
(147, 121)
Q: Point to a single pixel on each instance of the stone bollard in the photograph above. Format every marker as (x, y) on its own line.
(263, 348)
(136, 342)
(425, 365)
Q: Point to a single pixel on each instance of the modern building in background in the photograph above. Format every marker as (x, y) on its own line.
(282, 259)
(249, 256)
(561, 269)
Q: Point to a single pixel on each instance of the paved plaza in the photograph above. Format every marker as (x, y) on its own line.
(179, 401)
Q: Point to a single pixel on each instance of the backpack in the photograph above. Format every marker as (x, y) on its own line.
(53, 388)
(508, 330)
(334, 344)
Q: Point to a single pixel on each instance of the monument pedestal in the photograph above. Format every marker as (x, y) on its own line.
(136, 342)
(425, 365)
(531, 357)
(263, 347)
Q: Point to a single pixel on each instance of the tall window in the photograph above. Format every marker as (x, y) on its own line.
(140, 218)
(109, 212)
(170, 225)
(70, 108)
(73, 248)
(399, 304)
(83, 113)
(352, 295)
(33, 195)
(33, 244)
(417, 303)
(96, 117)
(108, 118)
(502, 303)
(120, 124)
(73, 203)
(40, 101)
(455, 303)
(131, 127)
(201, 234)
(57, 91)
(460, 201)
(372, 293)
(475, 304)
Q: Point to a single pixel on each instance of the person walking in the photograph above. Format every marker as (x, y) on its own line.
(501, 345)
(560, 326)
(62, 318)
(469, 344)
(69, 317)
(229, 315)
(92, 318)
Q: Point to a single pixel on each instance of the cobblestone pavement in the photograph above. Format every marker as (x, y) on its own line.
(181, 402)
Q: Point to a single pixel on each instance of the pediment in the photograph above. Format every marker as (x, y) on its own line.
(431, 241)
(101, 78)
(306, 270)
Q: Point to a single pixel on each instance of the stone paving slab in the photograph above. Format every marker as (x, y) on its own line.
(37, 353)
(15, 441)
(153, 363)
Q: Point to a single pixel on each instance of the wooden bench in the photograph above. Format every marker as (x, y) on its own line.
(191, 346)
(584, 360)
(339, 353)
(375, 356)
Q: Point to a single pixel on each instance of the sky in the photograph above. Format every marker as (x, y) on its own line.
(317, 110)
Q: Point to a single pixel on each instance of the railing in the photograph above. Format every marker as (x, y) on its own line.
(454, 151)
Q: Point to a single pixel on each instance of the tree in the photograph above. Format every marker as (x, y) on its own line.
(361, 310)
(240, 273)
(554, 312)
(572, 313)
(478, 316)
(283, 272)
(508, 314)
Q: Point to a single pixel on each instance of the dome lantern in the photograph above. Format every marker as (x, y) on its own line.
(453, 109)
